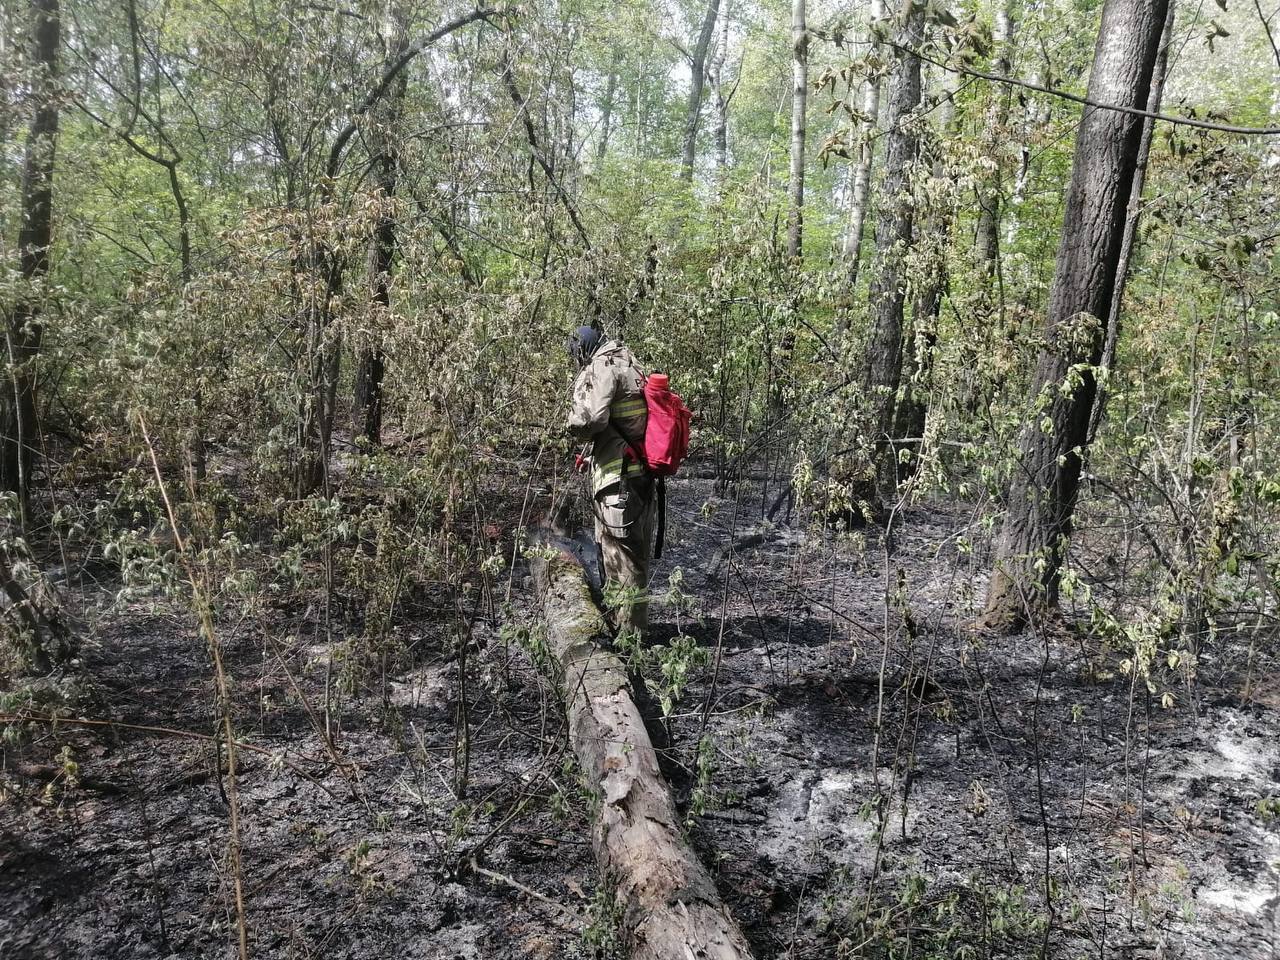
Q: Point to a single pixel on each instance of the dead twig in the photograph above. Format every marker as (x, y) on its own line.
(528, 891)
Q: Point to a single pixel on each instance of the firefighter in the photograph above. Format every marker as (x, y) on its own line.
(609, 411)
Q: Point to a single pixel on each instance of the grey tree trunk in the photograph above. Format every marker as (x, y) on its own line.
(321, 364)
(371, 364)
(1133, 214)
(697, 79)
(606, 112)
(669, 904)
(882, 362)
(715, 76)
(799, 105)
(33, 637)
(860, 187)
(989, 192)
(1045, 484)
(1035, 113)
(24, 331)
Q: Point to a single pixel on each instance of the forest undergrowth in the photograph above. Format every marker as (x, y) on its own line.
(965, 634)
(416, 793)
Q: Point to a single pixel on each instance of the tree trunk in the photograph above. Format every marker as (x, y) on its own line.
(371, 365)
(697, 78)
(537, 154)
(795, 192)
(860, 188)
(1274, 152)
(882, 363)
(1045, 484)
(913, 409)
(670, 907)
(322, 359)
(1132, 215)
(1035, 113)
(606, 111)
(988, 234)
(33, 637)
(715, 76)
(21, 429)
(799, 103)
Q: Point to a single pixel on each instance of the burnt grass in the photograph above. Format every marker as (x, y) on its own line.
(1023, 798)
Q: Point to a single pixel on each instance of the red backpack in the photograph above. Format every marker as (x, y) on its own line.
(666, 438)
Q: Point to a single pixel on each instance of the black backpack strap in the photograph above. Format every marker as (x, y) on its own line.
(662, 518)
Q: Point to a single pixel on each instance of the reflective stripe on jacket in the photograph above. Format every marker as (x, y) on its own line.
(609, 410)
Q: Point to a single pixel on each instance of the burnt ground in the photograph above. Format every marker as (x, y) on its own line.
(1000, 762)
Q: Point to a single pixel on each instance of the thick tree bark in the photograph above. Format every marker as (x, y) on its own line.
(669, 903)
(989, 192)
(799, 106)
(697, 79)
(1133, 214)
(371, 364)
(33, 638)
(882, 362)
(1045, 484)
(24, 331)
(860, 187)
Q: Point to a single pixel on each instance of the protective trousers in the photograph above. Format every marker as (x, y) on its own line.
(624, 517)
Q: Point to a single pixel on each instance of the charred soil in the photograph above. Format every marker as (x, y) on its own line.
(862, 773)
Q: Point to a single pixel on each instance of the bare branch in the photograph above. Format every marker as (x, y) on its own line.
(374, 95)
(522, 110)
(1096, 104)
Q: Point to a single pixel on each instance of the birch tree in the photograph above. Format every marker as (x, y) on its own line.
(799, 105)
(721, 92)
(860, 180)
(989, 192)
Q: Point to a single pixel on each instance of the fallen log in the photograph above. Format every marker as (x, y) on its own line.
(669, 904)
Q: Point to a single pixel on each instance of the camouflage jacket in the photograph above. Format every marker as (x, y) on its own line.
(609, 410)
